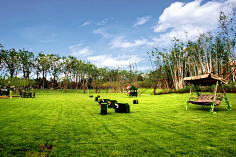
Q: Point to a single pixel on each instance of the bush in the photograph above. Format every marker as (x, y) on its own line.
(184, 90)
(163, 92)
(230, 88)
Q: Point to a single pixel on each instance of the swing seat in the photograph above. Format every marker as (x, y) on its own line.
(207, 99)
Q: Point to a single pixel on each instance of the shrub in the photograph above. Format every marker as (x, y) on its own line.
(230, 88)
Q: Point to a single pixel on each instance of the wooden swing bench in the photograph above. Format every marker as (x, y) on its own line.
(207, 99)
(210, 99)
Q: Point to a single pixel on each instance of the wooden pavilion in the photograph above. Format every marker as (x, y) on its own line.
(211, 100)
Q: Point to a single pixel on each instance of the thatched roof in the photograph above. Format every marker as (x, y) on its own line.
(206, 79)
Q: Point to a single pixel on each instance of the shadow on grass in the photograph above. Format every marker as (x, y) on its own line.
(113, 113)
(207, 108)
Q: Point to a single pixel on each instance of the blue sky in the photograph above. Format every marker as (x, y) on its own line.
(105, 32)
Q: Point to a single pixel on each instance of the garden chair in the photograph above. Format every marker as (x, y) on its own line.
(102, 101)
(24, 95)
(208, 99)
(33, 95)
(111, 103)
(103, 108)
(122, 108)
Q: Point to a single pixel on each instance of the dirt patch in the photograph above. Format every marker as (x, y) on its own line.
(46, 147)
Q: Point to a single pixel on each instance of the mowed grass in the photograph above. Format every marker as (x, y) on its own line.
(70, 124)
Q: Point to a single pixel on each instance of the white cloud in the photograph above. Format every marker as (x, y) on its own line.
(111, 62)
(162, 28)
(191, 17)
(86, 23)
(142, 20)
(103, 22)
(40, 32)
(50, 38)
(118, 42)
(185, 33)
(232, 1)
(144, 68)
(102, 31)
(179, 14)
(77, 51)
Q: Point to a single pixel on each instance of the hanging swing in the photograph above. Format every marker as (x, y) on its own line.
(211, 99)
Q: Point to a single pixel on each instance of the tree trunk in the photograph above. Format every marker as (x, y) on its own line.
(43, 79)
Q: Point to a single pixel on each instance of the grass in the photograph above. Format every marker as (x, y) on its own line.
(70, 124)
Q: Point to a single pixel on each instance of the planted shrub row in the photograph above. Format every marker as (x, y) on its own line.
(230, 88)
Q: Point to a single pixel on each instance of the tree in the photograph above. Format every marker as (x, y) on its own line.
(55, 67)
(1, 56)
(155, 61)
(44, 65)
(67, 66)
(27, 62)
(86, 71)
(227, 23)
(11, 60)
(78, 71)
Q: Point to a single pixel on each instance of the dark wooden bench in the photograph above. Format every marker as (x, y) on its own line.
(33, 96)
(5, 92)
(28, 95)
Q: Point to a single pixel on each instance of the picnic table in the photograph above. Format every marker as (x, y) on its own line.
(5, 92)
(27, 94)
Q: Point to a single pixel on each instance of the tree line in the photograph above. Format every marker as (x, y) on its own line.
(64, 72)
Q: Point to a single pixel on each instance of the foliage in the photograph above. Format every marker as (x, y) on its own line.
(26, 59)
(227, 23)
(17, 82)
(230, 88)
(11, 61)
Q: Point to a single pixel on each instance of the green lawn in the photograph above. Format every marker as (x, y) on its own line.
(70, 124)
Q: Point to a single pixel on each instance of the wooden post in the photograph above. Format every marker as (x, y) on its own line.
(203, 89)
(189, 96)
(226, 100)
(196, 91)
(214, 101)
